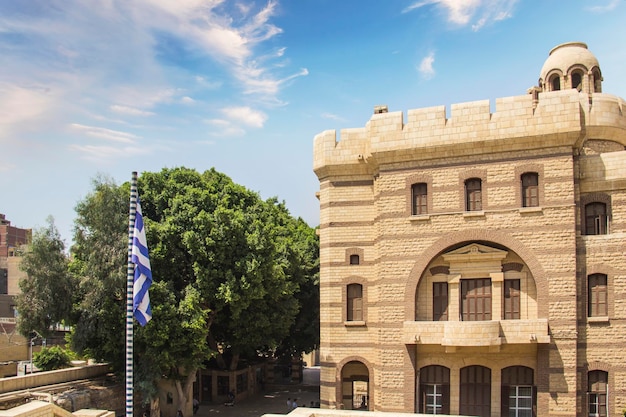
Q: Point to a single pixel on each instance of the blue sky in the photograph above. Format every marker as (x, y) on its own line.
(115, 86)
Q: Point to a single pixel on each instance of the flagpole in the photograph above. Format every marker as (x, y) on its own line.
(129, 297)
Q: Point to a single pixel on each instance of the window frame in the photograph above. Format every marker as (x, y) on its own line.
(597, 295)
(596, 223)
(419, 198)
(437, 378)
(472, 295)
(511, 309)
(528, 199)
(597, 389)
(440, 298)
(354, 312)
(474, 194)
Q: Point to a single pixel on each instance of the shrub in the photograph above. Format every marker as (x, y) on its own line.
(51, 358)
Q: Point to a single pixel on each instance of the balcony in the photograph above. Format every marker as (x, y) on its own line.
(476, 333)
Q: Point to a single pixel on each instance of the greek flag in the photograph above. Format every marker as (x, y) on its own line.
(143, 273)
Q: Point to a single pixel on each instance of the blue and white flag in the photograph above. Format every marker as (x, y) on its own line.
(143, 273)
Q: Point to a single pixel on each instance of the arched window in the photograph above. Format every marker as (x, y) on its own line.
(355, 302)
(598, 387)
(595, 219)
(434, 390)
(597, 82)
(597, 296)
(555, 82)
(419, 198)
(577, 80)
(473, 194)
(530, 189)
(475, 391)
(518, 392)
(354, 259)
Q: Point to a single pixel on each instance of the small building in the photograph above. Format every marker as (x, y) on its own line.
(474, 263)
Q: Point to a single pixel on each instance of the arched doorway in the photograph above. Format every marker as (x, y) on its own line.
(355, 386)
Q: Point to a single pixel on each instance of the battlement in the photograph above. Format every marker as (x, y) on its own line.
(557, 118)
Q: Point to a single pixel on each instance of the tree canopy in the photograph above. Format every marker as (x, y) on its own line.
(45, 297)
(233, 274)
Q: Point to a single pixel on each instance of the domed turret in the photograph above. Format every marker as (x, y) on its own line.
(571, 65)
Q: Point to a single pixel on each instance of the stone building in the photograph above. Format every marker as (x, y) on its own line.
(475, 263)
(12, 240)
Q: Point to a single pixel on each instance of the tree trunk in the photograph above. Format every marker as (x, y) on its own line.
(182, 391)
(234, 362)
(155, 407)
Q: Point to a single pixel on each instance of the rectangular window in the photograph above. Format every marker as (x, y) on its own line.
(4, 281)
(355, 302)
(419, 199)
(595, 219)
(520, 401)
(440, 301)
(530, 189)
(473, 195)
(476, 299)
(598, 389)
(598, 296)
(433, 398)
(512, 299)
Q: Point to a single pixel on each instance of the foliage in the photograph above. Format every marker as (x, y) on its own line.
(99, 259)
(232, 273)
(45, 297)
(242, 254)
(48, 359)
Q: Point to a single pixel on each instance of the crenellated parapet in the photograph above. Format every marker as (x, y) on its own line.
(558, 118)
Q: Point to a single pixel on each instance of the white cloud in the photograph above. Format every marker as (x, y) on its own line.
(131, 111)
(21, 107)
(426, 66)
(245, 115)
(103, 133)
(224, 128)
(463, 12)
(80, 57)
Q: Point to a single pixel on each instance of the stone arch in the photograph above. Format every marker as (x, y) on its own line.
(495, 236)
(339, 394)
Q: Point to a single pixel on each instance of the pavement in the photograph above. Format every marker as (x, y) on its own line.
(273, 401)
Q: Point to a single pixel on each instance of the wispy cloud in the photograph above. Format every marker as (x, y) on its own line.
(478, 13)
(103, 133)
(104, 153)
(132, 59)
(331, 116)
(605, 7)
(131, 111)
(426, 66)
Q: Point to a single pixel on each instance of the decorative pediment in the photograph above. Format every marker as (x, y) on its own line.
(475, 250)
(475, 260)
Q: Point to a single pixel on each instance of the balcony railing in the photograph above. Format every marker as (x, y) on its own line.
(476, 333)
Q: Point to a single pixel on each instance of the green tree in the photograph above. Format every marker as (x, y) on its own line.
(45, 297)
(231, 273)
(99, 260)
(242, 253)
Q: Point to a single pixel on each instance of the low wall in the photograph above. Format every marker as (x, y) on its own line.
(38, 379)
